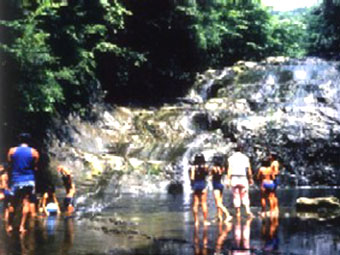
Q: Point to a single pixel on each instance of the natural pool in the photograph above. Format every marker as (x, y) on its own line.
(163, 224)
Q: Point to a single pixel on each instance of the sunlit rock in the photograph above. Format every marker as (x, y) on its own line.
(276, 60)
(318, 203)
(280, 104)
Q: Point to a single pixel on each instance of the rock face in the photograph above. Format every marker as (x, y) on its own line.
(283, 105)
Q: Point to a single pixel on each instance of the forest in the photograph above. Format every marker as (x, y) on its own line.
(60, 56)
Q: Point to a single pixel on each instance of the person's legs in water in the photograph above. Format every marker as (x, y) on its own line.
(25, 211)
(9, 222)
(220, 207)
(7, 204)
(68, 204)
(237, 200)
(245, 200)
(204, 206)
(195, 205)
(217, 203)
(264, 197)
(273, 204)
(276, 209)
(14, 202)
(33, 205)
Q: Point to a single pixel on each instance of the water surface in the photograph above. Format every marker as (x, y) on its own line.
(163, 224)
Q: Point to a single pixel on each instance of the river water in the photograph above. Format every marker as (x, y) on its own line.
(163, 224)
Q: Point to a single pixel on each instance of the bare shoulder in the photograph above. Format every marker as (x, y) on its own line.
(35, 152)
(12, 150)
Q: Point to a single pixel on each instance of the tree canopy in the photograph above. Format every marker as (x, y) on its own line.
(61, 56)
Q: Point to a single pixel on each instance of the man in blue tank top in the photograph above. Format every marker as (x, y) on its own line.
(23, 160)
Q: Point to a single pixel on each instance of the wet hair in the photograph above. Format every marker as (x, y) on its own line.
(51, 189)
(4, 167)
(273, 155)
(199, 159)
(239, 147)
(265, 162)
(218, 160)
(24, 138)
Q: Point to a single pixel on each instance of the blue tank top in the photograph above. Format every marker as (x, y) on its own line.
(22, 165)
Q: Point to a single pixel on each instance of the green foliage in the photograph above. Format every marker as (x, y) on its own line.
(38, 89)
(139, 50)
(53, 50)
(288, 35)
(324, 29)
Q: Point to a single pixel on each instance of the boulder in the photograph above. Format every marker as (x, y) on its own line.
(317, 204)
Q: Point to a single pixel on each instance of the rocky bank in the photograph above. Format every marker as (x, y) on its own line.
(283, 105)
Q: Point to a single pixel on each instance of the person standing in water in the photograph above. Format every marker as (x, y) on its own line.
(198, 173)
(239, 177)
(5, 193)
(275, 165)
(69, 187)
(266, 177)
(217, 172)
(23, 160)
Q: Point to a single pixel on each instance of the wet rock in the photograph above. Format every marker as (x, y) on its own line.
(318, 204)
(280, 104)
(175, 188)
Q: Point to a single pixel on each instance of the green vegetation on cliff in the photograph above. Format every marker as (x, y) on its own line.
(60, 56)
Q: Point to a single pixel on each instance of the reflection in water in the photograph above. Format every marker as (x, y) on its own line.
(68, 236)
(201, 248)
(287, 234)
(242, 237)
(223, 231)
(42, 237)
(269, 232)
(27, 241)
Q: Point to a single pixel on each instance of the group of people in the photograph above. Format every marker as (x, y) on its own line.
(238, 176)
(18, 186)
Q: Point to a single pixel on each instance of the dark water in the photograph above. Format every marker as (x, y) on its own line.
(164, 225)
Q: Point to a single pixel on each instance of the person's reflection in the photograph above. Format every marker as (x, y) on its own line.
(269, 232)
(201, 249)
(242, 236)
(68, 236)
(27, 241)
(223, 231)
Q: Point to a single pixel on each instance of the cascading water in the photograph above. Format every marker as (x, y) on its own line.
(291, 107)
(194, 147)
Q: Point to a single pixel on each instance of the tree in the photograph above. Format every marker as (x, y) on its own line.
(324, 27)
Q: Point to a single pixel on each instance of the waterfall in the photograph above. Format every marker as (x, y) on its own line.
(194, 147)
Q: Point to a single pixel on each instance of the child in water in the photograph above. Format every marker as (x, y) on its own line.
(49, 202)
